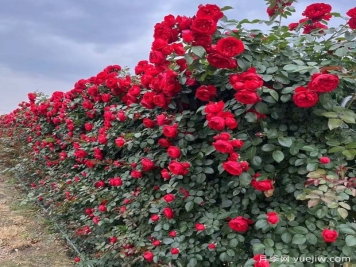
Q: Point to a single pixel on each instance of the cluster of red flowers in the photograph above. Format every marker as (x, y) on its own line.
(306, 97)
(352, 21)
(246, 85)
(314, 13)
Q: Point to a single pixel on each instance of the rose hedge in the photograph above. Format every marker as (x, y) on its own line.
(227, 146)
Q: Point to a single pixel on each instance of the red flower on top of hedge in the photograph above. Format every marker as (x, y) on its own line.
(329, 236)
(323, 82)
(305, 98)
(203, 25)
(179, 168)
(209, 11)
(170, 131)
(240, 224)
(263, 185)
(261, 261)
(205, 92)
(230, 46)
(318, 11)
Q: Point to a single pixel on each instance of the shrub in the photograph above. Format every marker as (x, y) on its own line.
(228, 146)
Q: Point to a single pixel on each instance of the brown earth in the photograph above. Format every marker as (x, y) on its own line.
(25, 237)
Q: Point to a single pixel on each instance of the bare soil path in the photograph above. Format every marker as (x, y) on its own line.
(25, 239)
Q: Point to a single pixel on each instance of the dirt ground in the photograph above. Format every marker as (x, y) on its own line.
(25, 237)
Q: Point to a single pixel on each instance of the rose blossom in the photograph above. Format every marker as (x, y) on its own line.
(329, 236)
(272, 217)
(305, 98)
(230, 46)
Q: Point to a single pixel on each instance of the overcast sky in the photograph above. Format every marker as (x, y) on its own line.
(47, 45)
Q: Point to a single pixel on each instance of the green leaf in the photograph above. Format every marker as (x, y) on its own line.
(189, 206)
(350, 241)
(268, 147)
(198, 50)
(342, 212)
(311, 238)
(226, 8)
(278, 155)
(286, 237)
(285, 141)
(347, 118)
(341, 52)
(290, 67)
(261, 107)
(334, 123)
(193, 262)
(167, 241)
(298, 239)
(233, 242)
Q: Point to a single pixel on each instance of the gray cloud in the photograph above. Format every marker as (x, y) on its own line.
(59, 42)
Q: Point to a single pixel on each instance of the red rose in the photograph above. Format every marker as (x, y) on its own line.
(199, 227)
(239, 224)
(204, 93)
(222, 136)
(323, 83)
(247, 97)
(352, 23)
(172, 233)
(77, 259)
(105, 98)
(120, 141)
(305, 98)
(318, 11)
(148, 255)
(231, 123)
(293, 26)
(212, 246)
(210, 11)
(113, 239)
(169, 198)
(165, 174)
(203, 40)
(147, 164)
(352, 12)
(308, 28)
(223, 146)
(237, 143)
(232, 167)
(230, 46)
(136, 174)
(156, 243)
(261, 261)
(168, 212)
(161, 119)
(272, 217)
(163, 142)
(263, 185)
(173, 152)
(179, 168)
(157, 57)
(115, 181)
(214, 107)
(324, 160)
(170, 131)
(148, 123)
(175, 251)
(155, 217)
(121, 116)
(216, 123)
(329, 235)
(203, 25)
(89, 126)
(221, 62)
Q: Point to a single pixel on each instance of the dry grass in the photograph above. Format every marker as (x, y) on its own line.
(24, 240)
